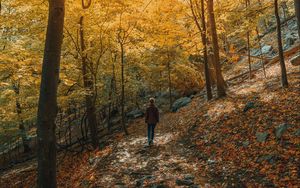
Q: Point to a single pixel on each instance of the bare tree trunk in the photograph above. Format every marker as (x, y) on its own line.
(284, 80)
(248, 46)
(123, 90)
(211, 68)
(249, 55)
(297, 12)
(204, 41)
(110, 98)
(170, 83)
(21, 123)
(47, 106)
(22, 128)
(265, 25)
(89, 86)
(285, 10)
(160, 83)
(220, 81)
(260, 49)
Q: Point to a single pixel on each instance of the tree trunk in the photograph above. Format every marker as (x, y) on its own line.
(47, 106)
(284, 80)
(170, 84)
(204, 42)
(297, 12)
(22, 128)
(110, 98)
(285, 10)
(89, 86)
(260, 49)
(123, 90)
(220, 81)
(248, 45)
(249, 54)
(21, 123)
(212, 70)
(201, 25)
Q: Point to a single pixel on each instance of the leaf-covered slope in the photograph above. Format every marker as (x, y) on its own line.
(250, 138)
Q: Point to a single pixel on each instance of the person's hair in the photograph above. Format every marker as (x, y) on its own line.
(152, 100)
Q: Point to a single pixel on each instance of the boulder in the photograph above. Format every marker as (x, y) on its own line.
(280, 130)
(246, 143)
(184, 182)
(290, 39)
(269, 158)
(189, 177)
(180, 103)
(266, 49)
(262, 137)
(292, 25)
(158, 186)
(85, 183)
(135, 114)
(297, 132)
(296, 60)
(140, 182)
(195, 186)
(249, 106)
(121, 185)
(255, 52)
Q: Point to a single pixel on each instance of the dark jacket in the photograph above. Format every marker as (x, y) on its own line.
(152, 114)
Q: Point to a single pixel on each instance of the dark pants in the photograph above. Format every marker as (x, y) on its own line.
(151, 128)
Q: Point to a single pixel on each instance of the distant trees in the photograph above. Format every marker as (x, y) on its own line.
(284, 80)
(47, 106)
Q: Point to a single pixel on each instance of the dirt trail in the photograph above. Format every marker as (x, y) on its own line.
(134, 164)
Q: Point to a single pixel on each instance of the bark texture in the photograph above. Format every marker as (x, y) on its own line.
(220, 81)
(47, 106)
(284, 80)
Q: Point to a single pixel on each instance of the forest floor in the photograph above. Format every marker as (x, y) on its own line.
(248, 139)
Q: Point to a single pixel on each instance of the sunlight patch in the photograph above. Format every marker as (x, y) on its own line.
(219, 109)
(267, 97)
(162, 139)
(123, 156)
(249, 88)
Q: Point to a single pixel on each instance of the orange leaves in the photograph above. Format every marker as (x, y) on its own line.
(230, 137)
(104, 152)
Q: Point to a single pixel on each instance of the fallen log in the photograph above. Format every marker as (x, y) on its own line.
(268, 62)
(296, 60)
(287, 53)
(246, 55)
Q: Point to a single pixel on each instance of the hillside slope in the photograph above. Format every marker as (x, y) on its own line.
(230, 142)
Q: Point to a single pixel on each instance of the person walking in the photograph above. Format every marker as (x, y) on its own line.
(151, 119)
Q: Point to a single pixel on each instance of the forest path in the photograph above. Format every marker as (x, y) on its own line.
(134, 164)
(215, 142)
